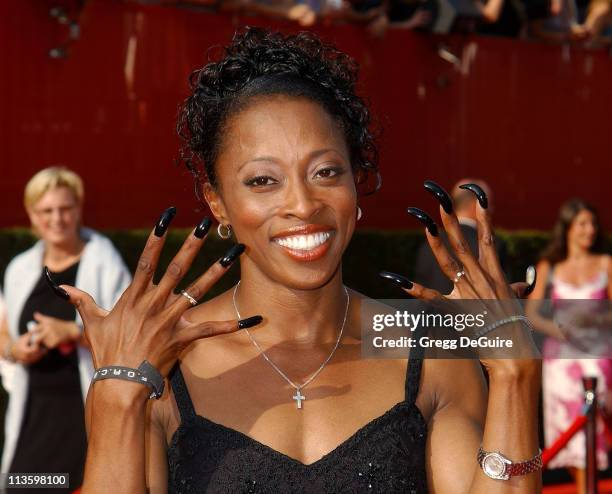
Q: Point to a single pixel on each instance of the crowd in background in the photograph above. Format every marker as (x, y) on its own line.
(583, 21)
(46, 366)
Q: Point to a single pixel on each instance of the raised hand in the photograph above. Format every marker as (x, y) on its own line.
(479, 279)
(146, 323)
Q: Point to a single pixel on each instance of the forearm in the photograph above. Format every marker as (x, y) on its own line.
(115, 415)
(511, 428)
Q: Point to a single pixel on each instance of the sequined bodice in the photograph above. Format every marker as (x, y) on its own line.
(387, 455)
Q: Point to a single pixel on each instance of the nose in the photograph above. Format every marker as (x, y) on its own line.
(56, 215)
(301, 201)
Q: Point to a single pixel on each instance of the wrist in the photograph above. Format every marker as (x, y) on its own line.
(119, 395)
(511, 371)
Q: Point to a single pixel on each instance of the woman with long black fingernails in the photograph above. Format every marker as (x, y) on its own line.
(464, 199)
(52, 366)
(269, 391)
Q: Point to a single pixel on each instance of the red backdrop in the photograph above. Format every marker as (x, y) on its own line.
(531, 119)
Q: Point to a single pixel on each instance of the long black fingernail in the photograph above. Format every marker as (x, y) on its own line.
(396, 278)
(202, 229)
(440, 194)
(480, 194)
(231, 255)
(531, 277)
(58, 290)
(424, 218)
(249, 322)
(164, 221)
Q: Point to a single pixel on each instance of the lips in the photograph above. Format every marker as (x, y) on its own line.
(305, 243)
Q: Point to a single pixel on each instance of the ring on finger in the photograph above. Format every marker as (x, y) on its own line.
(458, 276)
(192, 300)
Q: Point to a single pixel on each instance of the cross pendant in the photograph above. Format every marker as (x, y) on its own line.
(298, 398)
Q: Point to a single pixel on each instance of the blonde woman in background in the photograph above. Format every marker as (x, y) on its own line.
(44, 424)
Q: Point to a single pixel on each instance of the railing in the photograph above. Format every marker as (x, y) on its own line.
(588, 421)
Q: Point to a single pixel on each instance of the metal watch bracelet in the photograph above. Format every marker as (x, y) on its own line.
(497, 466)
(145, 374)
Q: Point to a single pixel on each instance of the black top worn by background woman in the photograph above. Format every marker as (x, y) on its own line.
(387, 455)
(52, 437)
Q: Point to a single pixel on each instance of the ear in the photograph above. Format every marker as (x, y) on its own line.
(215, 203)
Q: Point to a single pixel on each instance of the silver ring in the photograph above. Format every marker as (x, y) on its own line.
(458, 276)
(192, 300)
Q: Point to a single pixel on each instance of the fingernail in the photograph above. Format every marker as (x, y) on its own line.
(531, 277)
(478, 192)
(249, 322)
(58, 290)
(396, 278)
(202, 229)
(164, 221)
(440, 194)
(424, 218)
(231, 255)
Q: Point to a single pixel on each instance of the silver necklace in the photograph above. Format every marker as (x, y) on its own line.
(298, 397)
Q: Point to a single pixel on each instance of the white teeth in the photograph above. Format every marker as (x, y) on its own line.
(304, 242)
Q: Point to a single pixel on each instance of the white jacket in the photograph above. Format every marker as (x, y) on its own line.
(101, 273)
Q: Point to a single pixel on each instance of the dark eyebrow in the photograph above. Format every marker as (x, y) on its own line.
(272, 159)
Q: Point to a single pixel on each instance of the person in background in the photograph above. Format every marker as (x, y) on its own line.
(44, 424)
(598, 22)
(574, 268)
(6, 368)
(427, 271)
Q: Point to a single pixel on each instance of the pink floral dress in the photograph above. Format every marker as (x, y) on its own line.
(563, 369)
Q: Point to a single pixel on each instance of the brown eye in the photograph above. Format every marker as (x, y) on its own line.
(260, 181)
(328, 172)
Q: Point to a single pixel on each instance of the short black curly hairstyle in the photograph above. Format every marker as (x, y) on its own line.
(259, 63)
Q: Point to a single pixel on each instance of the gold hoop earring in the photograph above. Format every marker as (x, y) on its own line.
(225, 235)
(359, 214)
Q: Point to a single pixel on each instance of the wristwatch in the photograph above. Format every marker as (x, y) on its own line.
(498, 467)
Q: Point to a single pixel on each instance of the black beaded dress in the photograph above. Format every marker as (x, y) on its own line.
(387, 455)
(52, 437)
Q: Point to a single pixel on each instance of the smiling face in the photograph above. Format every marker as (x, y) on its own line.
(55, 217)
(583, 230)
(286, 187)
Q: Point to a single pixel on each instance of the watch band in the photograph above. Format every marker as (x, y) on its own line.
(497, 466)
(524, 467)
(145, 374)
(153, 378)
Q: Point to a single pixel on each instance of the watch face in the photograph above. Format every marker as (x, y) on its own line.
(494, 466)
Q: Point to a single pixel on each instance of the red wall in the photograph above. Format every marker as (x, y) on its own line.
(534, 120)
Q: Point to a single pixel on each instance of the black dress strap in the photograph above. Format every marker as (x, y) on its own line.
(413, 374)
(181, 394)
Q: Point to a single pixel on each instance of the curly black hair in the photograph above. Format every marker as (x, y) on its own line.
(259, 63)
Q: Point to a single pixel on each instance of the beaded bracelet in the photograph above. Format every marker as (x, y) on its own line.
(145, 374)
(508, 320)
